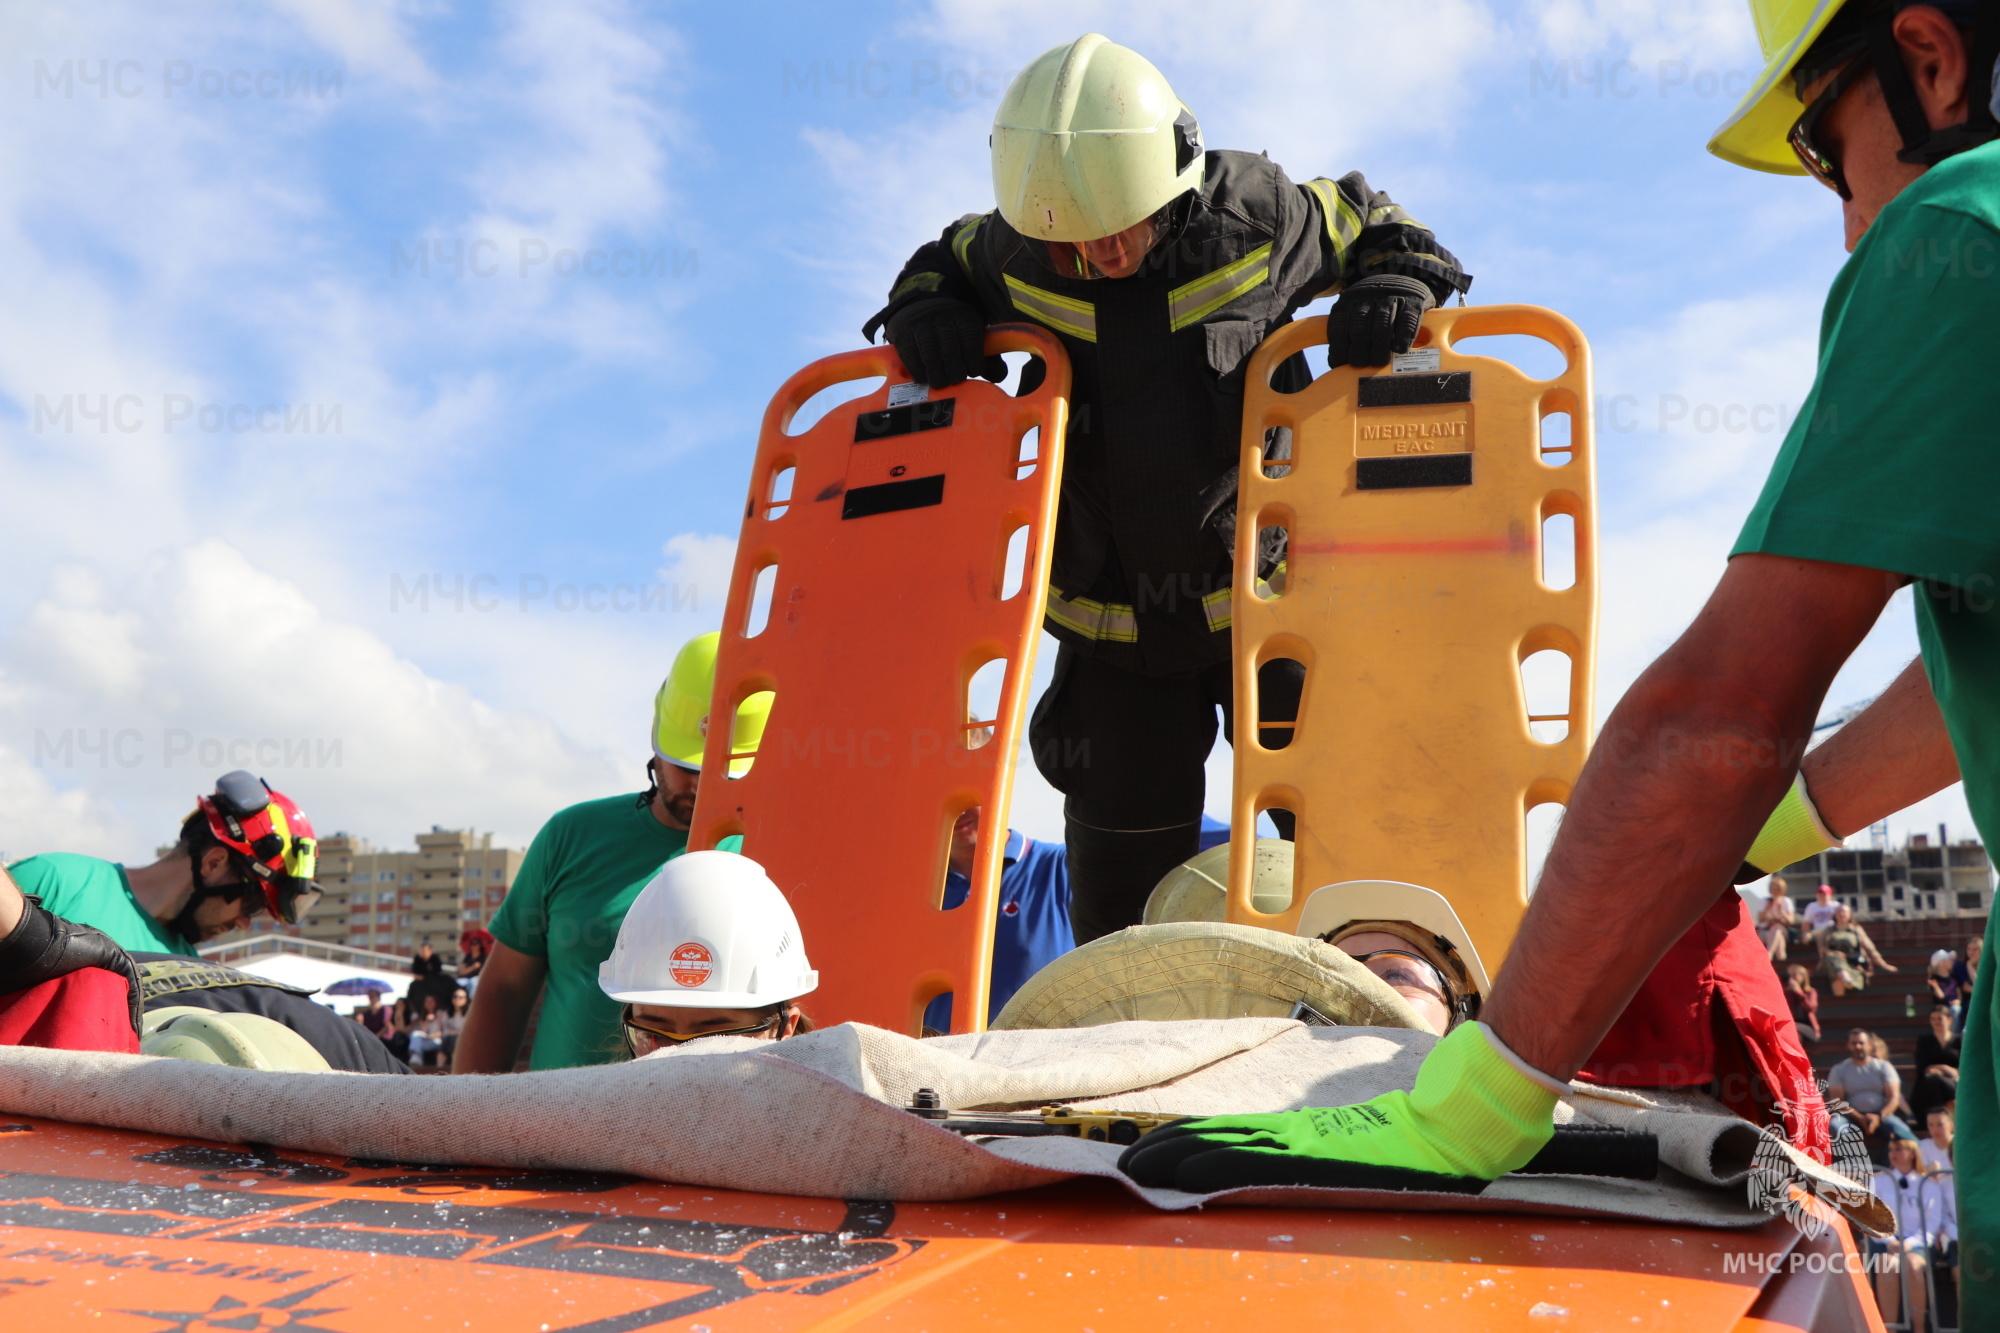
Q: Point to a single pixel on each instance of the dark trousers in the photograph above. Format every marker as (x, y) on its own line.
(1127, 752)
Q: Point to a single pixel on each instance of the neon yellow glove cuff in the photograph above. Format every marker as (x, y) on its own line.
(1792, 833)
(1487, 1110)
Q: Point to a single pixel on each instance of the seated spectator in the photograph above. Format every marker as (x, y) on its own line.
(396, 1030)
(1802, 998)
(62, 985)
(1903, 1258)
(1776, 920)
(1943, 986)
(1031, 928)
(426, 1033)
(1819, 912)
(1936, 1064)
(371, 1014)
(1965, 971)
(473, 947)
(454, 1021)
(1871, 1088)
(1847, 955)
(709, 948)
(425, 962)
(1935, 1149)
(432, 982)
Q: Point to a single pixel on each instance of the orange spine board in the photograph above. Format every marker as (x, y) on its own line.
(891, 558)
(1413, 591)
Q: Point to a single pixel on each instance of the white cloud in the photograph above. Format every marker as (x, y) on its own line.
(240, 669)
(697, 570)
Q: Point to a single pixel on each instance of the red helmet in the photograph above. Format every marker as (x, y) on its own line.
(270, 836)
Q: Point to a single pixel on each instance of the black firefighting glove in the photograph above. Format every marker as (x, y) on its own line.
(44, 946)
(942, 342)
(1375, 318)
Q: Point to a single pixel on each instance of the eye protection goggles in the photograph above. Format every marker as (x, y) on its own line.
(642, 1035)
(1401, 967)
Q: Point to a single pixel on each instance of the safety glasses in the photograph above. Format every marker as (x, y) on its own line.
(1400, 967)
(642, 1036)
(1819, 162)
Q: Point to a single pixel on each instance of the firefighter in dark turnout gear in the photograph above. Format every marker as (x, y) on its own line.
(1161, 266)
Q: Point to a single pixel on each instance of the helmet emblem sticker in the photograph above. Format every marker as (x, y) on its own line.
(691, 964)
(701, 727)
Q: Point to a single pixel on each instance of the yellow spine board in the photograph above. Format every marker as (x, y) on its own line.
(1412, 591)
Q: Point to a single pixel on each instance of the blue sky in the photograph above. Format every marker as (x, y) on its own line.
(381, 298)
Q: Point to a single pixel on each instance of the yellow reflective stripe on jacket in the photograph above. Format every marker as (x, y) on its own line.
(1391, 213)
(962, 243)
(1216, 607)
(1064, 314)
(1343, 224)
(1114, 622)
(1195, 301)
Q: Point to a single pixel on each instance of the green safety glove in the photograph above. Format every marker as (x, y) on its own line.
(1792, 833)
(1478, 1111)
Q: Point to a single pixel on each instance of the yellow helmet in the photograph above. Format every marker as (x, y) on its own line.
(1756, 133)
(1090, 140)
(680, 710)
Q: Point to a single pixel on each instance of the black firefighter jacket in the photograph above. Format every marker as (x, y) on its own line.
(1141, 569)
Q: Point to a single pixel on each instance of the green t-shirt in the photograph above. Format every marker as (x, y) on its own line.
(96, 893)
(580, 874)
(1894, 464)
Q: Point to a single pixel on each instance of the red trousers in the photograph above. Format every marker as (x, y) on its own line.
(86, 1010)
(1713, 1012)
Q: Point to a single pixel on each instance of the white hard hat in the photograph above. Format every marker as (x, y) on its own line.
(1383, 904)
(711, 931)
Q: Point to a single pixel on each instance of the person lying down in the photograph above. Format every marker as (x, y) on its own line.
(1365, 953)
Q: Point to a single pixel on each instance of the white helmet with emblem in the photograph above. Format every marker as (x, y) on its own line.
(710, 931)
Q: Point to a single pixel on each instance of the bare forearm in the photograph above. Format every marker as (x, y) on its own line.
(1895, 753)
(1669, 802)
(508, 989)
(1690, 764)
(492, 1036)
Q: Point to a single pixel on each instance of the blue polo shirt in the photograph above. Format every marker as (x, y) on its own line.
(1032, 928)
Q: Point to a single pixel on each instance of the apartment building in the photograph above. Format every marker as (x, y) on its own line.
(1918, 879)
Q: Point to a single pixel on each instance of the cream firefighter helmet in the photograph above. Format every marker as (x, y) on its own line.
(242, 1041)
(1088, 141)
(1421, 917)
(680, 710)
(1198, 888)
(710, 931)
